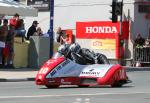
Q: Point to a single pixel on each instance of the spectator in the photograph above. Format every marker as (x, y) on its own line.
(59, 35)
(10, 45)
(5, 24)
(38, 32)
(32, 29)
(3, 36)
(139, 41)
(14, 20)
(20, 29)
(66, 39)
(147, 43)
(47, 34)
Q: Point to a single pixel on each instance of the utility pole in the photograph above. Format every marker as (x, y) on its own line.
(117, 10)
(121, 16)
(51, 34)
(121, 41)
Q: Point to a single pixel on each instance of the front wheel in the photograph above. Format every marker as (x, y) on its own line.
(52, 86)
(83, 86)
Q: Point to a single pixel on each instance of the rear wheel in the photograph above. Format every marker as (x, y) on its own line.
(52, 86)
(83, 86)
(116, 84)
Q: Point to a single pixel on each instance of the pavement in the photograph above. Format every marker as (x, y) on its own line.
(29, 74)
(17, 75)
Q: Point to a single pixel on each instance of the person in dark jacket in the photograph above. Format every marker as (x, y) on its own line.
(32, 29)
(139, 41)
(59, 36)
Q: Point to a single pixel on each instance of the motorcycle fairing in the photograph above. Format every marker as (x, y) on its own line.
(69, 68)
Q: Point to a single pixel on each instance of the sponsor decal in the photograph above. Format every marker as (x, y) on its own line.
(122, 73)
(97, 43)
(43, 70)
(63, 82)
(59, 67)
(49, 62)
(104, 44)
(91, 72)
(95, 70)
(65, 63)
(41, 5)
(51, 81)
(101, 29)
(97, 29)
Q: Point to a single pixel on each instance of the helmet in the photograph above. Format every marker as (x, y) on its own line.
(63, 49)
(75, 48)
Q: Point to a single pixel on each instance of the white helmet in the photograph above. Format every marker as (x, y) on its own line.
(75, 48)
(64, 49)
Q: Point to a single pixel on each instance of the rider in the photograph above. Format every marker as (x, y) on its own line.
(64, 49)
(82, 55)
(67, 51)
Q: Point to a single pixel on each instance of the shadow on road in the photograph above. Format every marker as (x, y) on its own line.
(71, 87)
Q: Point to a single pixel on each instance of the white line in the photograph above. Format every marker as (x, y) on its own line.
(76, 102)
(87, 99)
(79, 99)
(71, 95)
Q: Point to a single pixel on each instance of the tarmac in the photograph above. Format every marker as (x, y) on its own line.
(29, 74)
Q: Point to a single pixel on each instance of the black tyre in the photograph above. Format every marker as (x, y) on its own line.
(83, 86)
(116, 84)
(52, 86)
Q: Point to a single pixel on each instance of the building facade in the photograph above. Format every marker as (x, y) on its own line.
(68, 12)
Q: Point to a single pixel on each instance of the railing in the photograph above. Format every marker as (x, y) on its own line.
(142, 54)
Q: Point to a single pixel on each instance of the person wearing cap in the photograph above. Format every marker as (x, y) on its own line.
(32, 29)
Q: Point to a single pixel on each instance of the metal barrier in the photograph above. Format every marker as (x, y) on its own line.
(142, 54)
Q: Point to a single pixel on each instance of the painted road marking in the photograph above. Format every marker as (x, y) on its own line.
(76, 102)
(71, 95)
(79, 99)
(87, 99)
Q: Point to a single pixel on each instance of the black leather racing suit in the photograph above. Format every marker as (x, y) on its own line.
(85, 56)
